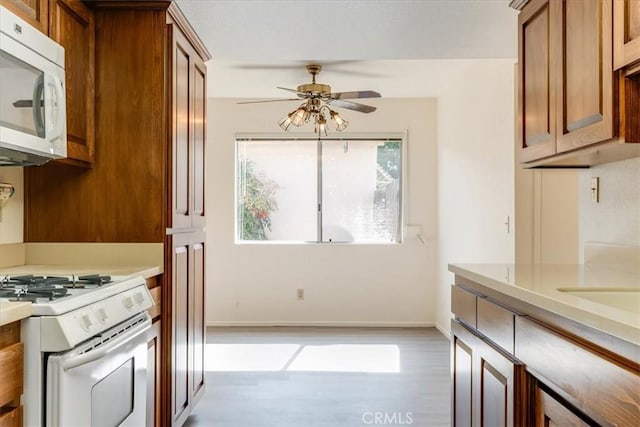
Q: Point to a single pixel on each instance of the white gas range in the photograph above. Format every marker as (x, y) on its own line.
(85, 349)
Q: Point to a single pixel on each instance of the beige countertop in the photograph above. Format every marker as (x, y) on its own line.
(78, 270)
(604, 297)
(14, 311)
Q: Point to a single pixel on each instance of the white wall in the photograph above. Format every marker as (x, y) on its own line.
(344, 284)
(475, 171)
(616, 218)
(11, 227)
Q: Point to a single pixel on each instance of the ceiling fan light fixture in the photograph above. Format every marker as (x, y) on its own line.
(300, 116)
(318, 97)
(286, 122)
(341, 123)
(321, 125)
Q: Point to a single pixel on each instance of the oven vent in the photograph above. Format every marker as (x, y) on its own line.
(113, 333)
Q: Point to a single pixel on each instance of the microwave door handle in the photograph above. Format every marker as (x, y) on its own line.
(36, 106)
(78, 360)
(56, 108)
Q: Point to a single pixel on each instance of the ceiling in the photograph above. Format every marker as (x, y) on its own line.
(401, 48)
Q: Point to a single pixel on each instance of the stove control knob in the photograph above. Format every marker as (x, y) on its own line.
(139, 298)
(128, 303)
(102, 315)
(85, 322)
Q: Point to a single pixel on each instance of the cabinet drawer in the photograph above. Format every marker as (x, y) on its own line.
(463, 305)
(496, 322)
(600, 388)
(11, 417)
(11, 358)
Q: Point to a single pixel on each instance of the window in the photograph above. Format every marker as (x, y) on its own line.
(305, 190)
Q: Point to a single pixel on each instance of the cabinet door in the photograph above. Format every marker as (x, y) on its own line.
(463, 371)
(189, 99)
(500, 380)
(153, 376)
(72, 25)
(584, 66)
(181, 129)
(551, 412)
(180, 330)
(197, 321)
(488, 385)
(199, 96)
(626, 32)
(35, 12)
(536, 82)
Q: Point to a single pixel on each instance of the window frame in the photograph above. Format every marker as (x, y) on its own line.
(349, 137)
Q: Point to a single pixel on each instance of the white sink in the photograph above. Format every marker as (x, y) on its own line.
(626, 299)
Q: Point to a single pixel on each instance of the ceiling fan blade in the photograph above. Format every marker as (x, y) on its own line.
(290, 90)
(268, 100)
(351, 105)
(355, 94)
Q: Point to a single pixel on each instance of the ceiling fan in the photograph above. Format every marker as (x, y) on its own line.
(319, 99)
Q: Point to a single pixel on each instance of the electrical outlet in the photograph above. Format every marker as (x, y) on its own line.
(300, 294)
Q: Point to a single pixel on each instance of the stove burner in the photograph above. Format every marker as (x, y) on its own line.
(93, 279)
(32, 293)
(31, 282)
(36, 281)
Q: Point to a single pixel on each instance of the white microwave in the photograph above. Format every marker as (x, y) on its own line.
(33, 118)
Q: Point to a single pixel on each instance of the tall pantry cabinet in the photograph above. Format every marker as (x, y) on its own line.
(185, 236)
(146, 183)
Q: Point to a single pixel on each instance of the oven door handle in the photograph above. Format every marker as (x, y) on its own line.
(81, 359)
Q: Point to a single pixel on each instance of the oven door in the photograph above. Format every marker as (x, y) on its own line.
(101, 383)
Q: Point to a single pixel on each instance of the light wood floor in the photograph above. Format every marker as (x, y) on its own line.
(417, 394)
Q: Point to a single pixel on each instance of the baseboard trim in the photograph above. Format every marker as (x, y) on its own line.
(443, 331)
(340, 324)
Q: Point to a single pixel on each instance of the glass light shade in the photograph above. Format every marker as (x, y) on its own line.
(299, 116)
(321, 125)
(341, 124)
(286, 121)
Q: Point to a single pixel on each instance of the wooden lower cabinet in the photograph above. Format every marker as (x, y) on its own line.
(553, 373)
(552, 412)
(153, 375)
(486, 382)
(11, 375)
(463, 372)
(188, 324)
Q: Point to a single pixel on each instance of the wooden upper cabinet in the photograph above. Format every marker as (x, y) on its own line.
(572, 106)
(72, 25)
(181, 131)
(187, 131)
(583, 66)
(32, 11)
(626, 32)
(198, 147)
(536, 82)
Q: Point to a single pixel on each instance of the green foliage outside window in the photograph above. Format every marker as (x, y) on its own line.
(389, 158)
(258, 201)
